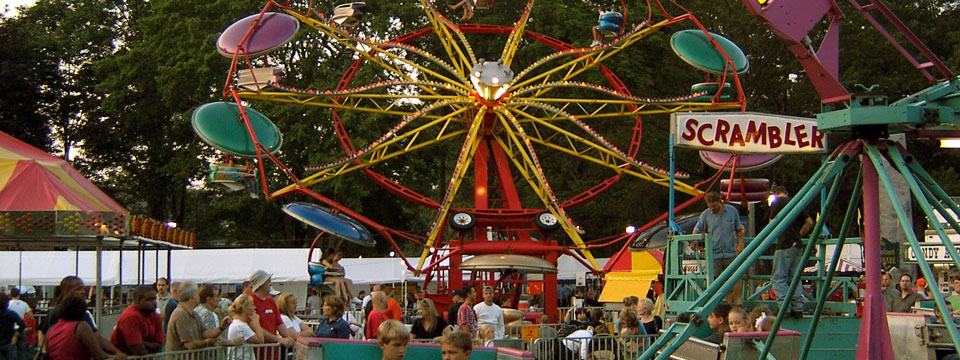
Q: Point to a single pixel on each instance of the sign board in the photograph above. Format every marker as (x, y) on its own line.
(581, 279)
(747, 133)
(529, 332)
(889, 254)
(933, 253)
(690, 267)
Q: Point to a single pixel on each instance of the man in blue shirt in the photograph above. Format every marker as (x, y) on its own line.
(722, 222)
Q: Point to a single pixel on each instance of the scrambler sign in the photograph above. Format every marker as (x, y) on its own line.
(747, 133)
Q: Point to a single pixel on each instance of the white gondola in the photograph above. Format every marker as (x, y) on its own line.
(348, 14)
(257, 78)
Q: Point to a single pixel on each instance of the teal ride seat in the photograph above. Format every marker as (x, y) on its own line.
(340, 349)
(220, 125)
(693, 47)
(316, 271)
(610, 23)
(727, 95)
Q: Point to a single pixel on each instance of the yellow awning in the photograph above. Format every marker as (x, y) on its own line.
(617, 289)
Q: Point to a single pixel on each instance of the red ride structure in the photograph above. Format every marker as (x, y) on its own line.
(501, 118)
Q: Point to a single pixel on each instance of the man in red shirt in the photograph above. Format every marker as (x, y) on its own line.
(139, 329)
(393, 309)
(269, 313)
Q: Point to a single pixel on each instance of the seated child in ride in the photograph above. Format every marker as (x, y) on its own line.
(393, 337)
(467, 6)
(762, 318)
(609, 22)
(342, 286)
(718, 323)
(739, 320)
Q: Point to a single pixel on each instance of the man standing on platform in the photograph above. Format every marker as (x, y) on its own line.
(722, 222)
(786, 259)
(139, 329)
(490, 313)
(268, 310)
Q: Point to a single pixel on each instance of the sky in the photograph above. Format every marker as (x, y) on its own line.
(13, 4)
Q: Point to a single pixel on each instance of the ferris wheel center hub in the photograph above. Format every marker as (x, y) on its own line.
(491, 79)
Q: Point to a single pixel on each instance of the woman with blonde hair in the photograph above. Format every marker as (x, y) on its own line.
(429, 325)
(245, 327)
(287, 304)
(651, 323)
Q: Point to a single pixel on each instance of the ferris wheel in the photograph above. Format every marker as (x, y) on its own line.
(499, 115)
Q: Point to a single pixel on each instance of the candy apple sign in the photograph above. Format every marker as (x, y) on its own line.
(747, 133)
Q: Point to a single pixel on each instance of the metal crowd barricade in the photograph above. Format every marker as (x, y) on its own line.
(602, 347)
(245, 352)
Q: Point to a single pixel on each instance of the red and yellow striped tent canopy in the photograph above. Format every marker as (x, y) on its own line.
(33, 180)
(43, 198)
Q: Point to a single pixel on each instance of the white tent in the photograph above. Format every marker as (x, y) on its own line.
(222, 266)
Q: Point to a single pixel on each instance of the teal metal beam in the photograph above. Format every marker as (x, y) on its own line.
(941, 195)
(875, 157)
(721, 286)
(795, 281)
(925, 204)
(822, 296)
(894, 155)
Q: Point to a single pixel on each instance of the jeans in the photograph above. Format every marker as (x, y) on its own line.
(785, 263)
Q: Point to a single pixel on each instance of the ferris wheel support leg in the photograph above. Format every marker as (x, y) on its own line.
(725, 281)
(874, 340)
(550, 290)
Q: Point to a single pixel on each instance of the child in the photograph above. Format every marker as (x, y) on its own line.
(739, 320)
(485, 335)
(456, 345)
(393, 338)
(762, 318)
(718, 322)
(467, 6)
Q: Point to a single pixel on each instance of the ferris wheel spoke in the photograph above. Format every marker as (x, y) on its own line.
(451, 38)
(467, 151)
(382, 149)
(348, 40)
(389, 105)
(531, 165)
(608, 153)
(513, 42)
(583, 59)
(623, 109)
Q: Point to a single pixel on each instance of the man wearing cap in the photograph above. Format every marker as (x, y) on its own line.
(267, 310)
(490, 313)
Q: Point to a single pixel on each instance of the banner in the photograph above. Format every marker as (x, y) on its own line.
(747, 133)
